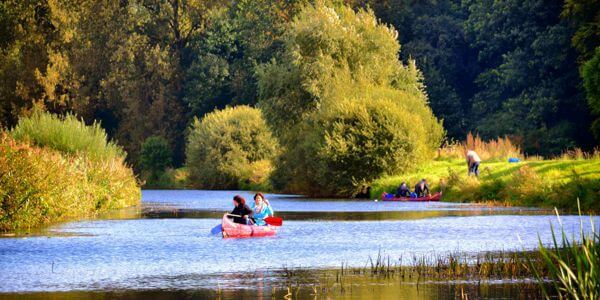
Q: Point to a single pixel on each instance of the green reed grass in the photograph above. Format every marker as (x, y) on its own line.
(517, 267)
(66, 134)
(52, 170)
(572, 266)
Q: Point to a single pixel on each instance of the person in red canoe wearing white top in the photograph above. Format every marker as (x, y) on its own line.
(473, 161)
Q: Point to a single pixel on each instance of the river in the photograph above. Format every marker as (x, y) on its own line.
(165, 246)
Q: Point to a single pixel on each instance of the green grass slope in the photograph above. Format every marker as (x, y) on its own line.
(544, 183)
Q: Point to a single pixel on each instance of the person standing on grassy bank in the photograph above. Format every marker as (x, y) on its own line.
(473, 161)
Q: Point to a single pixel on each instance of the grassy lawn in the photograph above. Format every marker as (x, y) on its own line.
(533, 183)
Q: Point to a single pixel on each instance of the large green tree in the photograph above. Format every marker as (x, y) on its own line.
(225, 55)
(431, 33)
(147, 78)
(529, 85)
(585, 16)
(27, 29)
(341, 102)
(591, 81)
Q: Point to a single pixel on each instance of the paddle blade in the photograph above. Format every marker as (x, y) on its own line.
(217, 229)
(274, 221)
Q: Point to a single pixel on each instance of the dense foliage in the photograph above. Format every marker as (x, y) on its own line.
(230, 149)
(67, 135)
(61, 170)
(344, 108)
(145, 68)
(432, 33)
(591, 81)
(155, 158)
(224, 57)
(502, 67)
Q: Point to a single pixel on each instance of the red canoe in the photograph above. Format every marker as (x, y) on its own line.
(235, 230)
(390, 197)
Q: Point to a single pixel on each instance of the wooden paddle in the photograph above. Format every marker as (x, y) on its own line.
(273, 221)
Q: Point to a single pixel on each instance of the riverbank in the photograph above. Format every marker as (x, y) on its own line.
(542, 183)
(54, 170)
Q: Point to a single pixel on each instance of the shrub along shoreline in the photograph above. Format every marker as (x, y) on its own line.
(542, 183)
(53, 170)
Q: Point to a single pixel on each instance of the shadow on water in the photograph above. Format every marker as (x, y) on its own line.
(177, 213)
(309, 284)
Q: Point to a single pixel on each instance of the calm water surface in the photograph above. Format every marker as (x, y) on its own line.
(166, 244)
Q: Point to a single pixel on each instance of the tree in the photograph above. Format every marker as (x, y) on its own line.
(141, 85)
(23, 52)
(432, 33)
(155, 156)
(336, 100)
(529, 85)
(225, 55)
(585, 16)
(230, 149)
(591, 81)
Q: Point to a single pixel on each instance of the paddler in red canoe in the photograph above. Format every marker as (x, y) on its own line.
(261, 209)
(241, 209)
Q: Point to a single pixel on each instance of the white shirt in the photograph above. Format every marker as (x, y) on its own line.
(472, 156)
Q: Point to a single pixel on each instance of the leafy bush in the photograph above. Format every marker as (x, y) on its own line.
(155, 157)
(342, 105)
(67, 135)
(228, 148)
(351, 142)
(40, 186)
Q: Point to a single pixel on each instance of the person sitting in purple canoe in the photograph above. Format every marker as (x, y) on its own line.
(402, 191)
(242, 211)
(422, 189)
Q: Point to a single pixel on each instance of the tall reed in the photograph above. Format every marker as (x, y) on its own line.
(494, 149)
(572, 266)
(66, 134)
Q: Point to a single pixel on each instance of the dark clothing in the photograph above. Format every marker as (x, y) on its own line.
(474, 168)
(241, 210)
(402, 192)
(421, 192)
